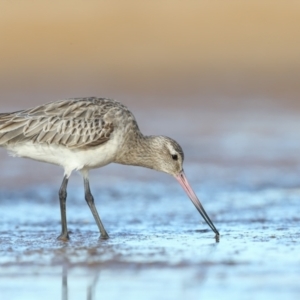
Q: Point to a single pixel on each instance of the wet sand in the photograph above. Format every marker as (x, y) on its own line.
(244, 167)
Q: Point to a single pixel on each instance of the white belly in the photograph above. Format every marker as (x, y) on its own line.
(69, 159)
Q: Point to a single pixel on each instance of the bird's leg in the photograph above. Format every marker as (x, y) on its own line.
(90, 201)
(62, 200)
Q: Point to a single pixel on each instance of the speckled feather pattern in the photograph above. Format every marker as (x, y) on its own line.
(85, 133)
(73, 123)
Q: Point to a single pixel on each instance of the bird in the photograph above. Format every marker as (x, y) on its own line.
(80, 134)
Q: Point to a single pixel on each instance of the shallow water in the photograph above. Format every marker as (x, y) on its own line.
(159, 247)
(157, 240)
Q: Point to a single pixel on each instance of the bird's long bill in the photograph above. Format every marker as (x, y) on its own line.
(186, 186)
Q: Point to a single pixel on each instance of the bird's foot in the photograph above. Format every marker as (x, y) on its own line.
(64, 237)
(104, 236)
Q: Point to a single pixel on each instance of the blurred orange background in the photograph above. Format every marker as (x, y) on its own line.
(201, 52)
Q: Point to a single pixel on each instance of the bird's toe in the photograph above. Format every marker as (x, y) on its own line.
(63, 237)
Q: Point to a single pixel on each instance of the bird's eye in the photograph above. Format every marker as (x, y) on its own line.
(175, 156)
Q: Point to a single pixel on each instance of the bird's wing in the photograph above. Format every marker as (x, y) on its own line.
(73, 123)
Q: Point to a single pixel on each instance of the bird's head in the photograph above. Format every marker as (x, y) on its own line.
(169, 155)
(169, 159)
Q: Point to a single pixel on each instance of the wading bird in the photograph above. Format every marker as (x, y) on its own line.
(87, 133)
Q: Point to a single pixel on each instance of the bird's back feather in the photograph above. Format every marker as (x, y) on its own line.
(74, 123)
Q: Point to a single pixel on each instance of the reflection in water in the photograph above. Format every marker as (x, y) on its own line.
(65, 290)
(91, 288)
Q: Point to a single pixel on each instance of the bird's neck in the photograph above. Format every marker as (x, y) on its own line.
(140, 151)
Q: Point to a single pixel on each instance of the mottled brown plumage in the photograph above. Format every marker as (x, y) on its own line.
(73, 123)
(85, 133)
